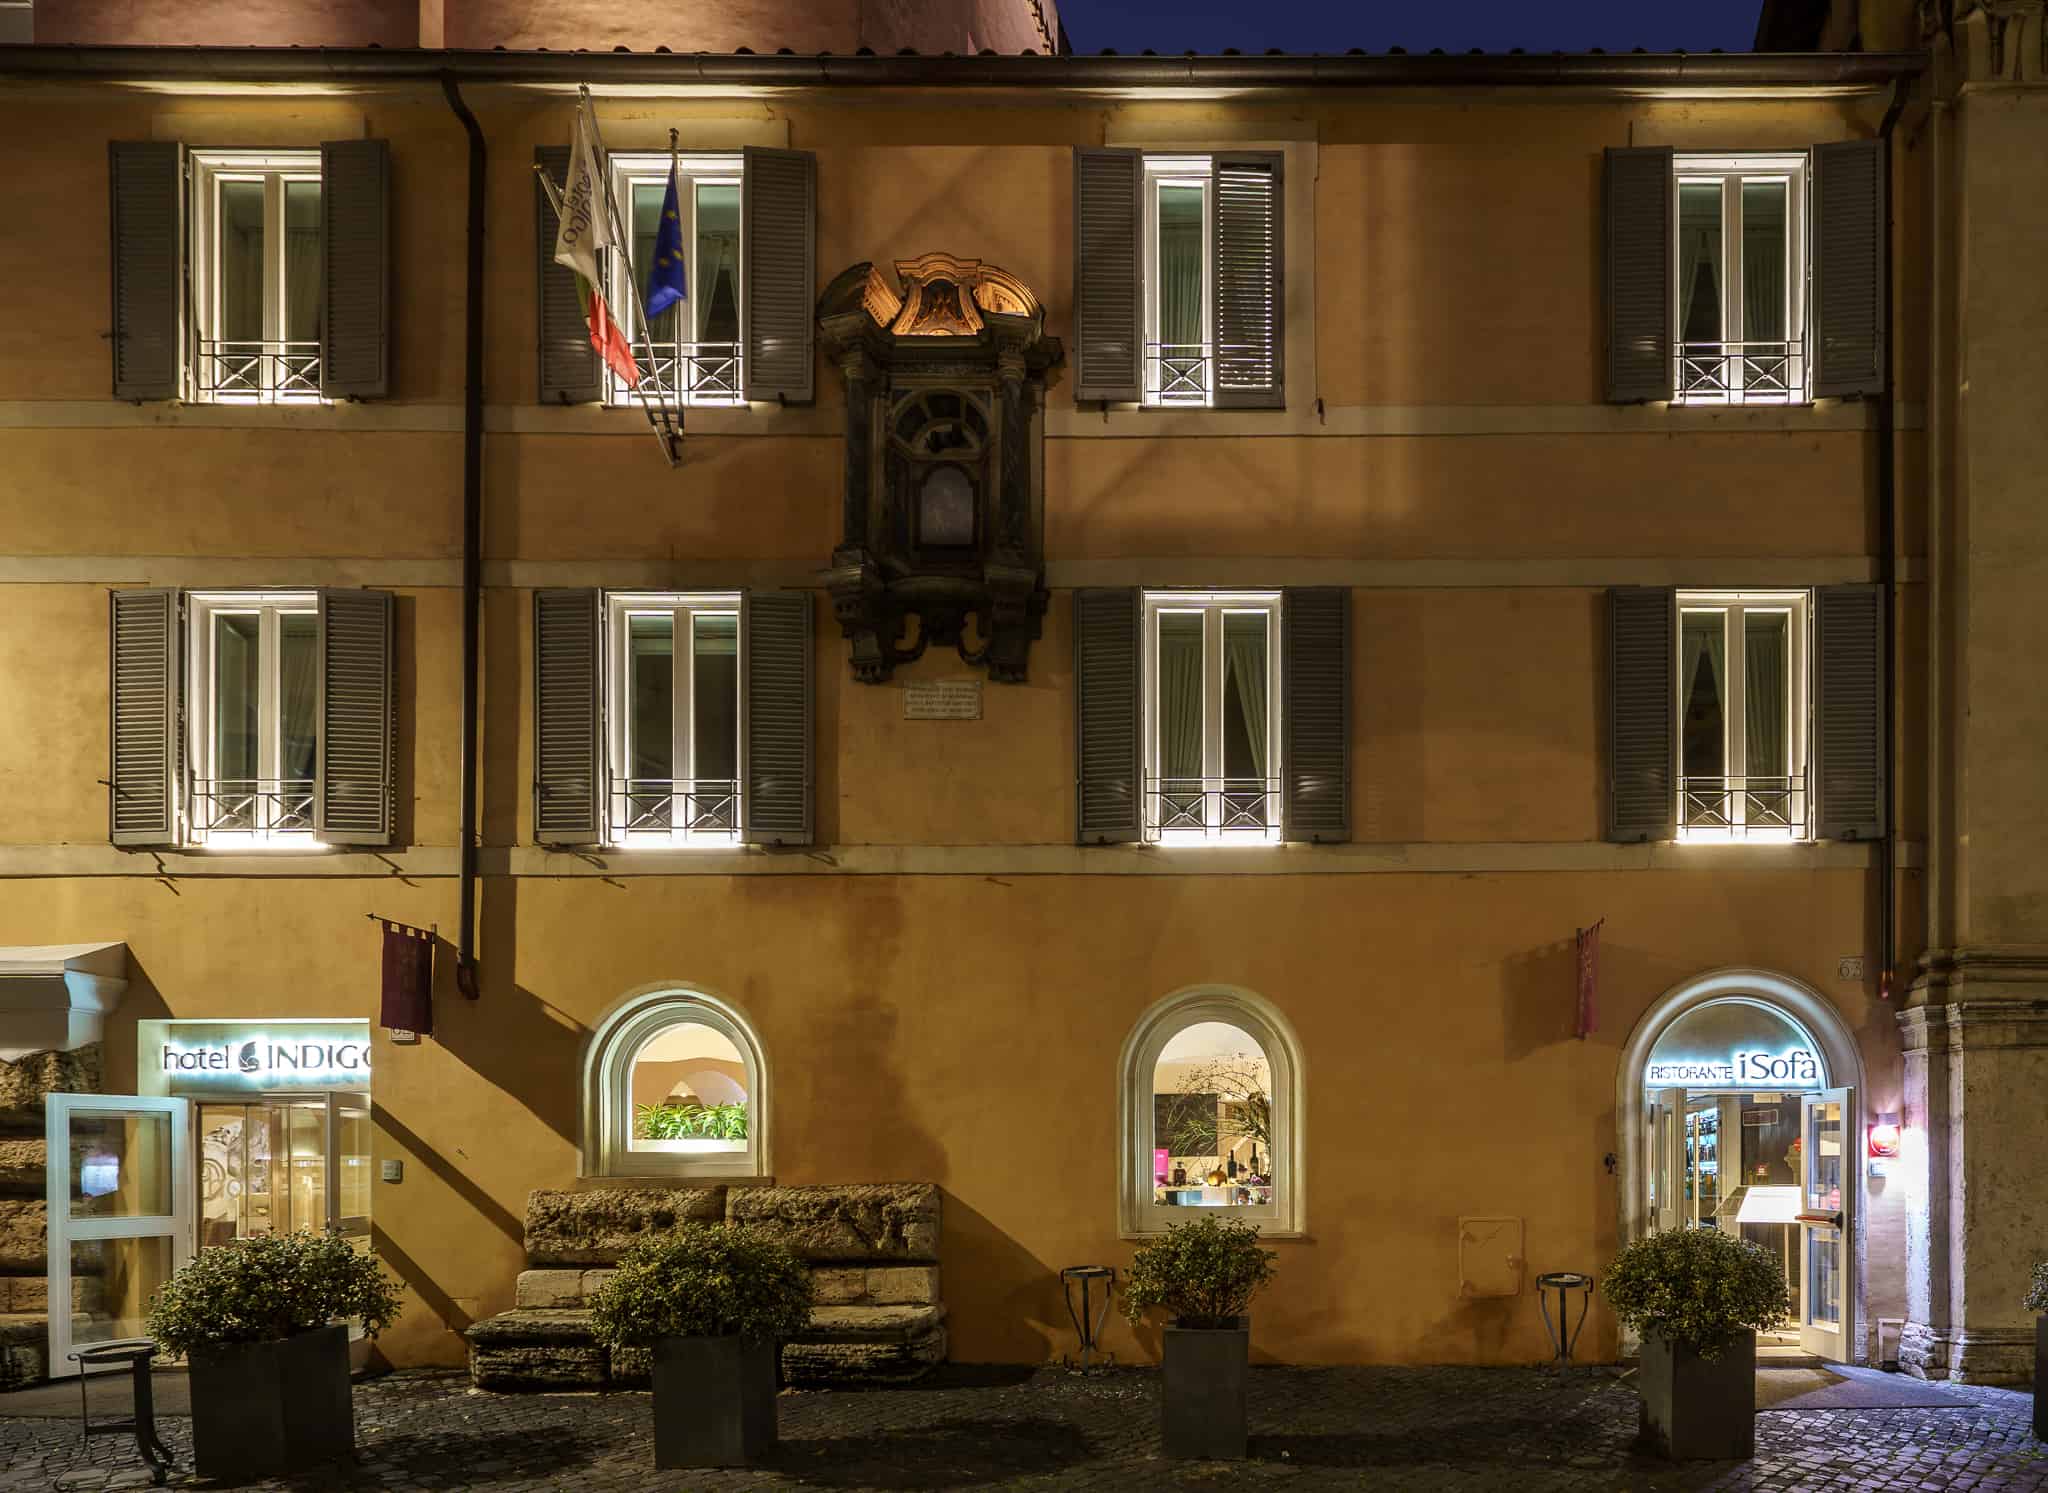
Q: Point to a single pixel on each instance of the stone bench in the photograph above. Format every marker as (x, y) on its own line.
(872, 1250)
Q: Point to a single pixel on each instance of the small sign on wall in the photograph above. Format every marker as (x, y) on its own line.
(942, 700)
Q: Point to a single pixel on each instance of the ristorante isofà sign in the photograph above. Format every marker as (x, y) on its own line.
(1758, 1068)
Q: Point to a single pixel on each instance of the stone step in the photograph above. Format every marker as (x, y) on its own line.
(837, 1285)
(552, 1348)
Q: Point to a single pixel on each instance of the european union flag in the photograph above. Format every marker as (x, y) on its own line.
(665, 283)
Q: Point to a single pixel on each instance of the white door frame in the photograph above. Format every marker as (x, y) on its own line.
(1803, 1004)
(63, 1229)
(1836, 1343)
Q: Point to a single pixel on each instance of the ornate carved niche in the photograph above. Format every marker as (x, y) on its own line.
(942, 518)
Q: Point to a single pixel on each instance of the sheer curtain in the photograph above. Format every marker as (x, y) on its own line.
(1763, 262)
(298, 695)
(1244, 654)
(1180, 695)
(1699, 262)
(1180, 265)
(1705, 648)
(1764, 698)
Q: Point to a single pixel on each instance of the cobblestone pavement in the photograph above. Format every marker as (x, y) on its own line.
(1467, 1429)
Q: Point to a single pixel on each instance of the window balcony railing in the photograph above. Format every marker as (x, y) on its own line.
(1178, 372)
(267, 372)
(1741, 372)
(1217, 808)
(252, 806)
(690, 373)
(1772, 806)
(645, 810)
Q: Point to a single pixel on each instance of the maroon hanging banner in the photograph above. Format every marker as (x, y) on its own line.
(1589, 979)
(408, 979)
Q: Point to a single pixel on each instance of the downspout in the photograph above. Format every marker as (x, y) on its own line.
(472, 531)
(1887, 574)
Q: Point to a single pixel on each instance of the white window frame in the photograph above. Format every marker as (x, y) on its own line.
(271, 371)
(1286, 1215)
(685, 809)
(1215, 806)
(1734, 606)
(608, 1086)
(1169, 372)
(278, 821)
(712, 374)
(1733, 371)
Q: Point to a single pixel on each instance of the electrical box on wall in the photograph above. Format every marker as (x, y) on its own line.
(1489, 1257)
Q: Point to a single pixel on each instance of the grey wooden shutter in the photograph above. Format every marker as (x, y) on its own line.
(1848, 195)
(1315, 713)
(146, 197)
(775, 799)
(778, 272)
(1639, 232)
(1247, 289)
(355, 762)
(144, 679)
(569, 372)
(568, 753)
(355, 269)
(1109, 340)
(1642, 715)
(1108, 801)
(1848, 717)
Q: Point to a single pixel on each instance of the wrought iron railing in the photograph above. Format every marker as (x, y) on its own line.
(1224, 808)
(1178, 372)
(689, 373)
(649, 809)
(1760, 804)
(252, 806)
(1741, 372)
(264, 371)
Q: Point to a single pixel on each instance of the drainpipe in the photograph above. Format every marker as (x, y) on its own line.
(472, 530)
(1887, 575)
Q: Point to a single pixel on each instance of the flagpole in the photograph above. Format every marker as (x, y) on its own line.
(664, 430)
(662, 437)
(674, 171)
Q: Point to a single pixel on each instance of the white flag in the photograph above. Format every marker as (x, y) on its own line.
(585, 227)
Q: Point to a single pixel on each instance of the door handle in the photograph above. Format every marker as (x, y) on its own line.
(1832, 1220)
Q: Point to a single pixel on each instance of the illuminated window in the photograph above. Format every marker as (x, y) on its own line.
(1179, 341)
(1212, 716)
(1212, 1109)
(253, 717)
(256, 281)
(1740, 280)
(695, 343)
(674, 721)
(675, 1085)
(1742, 714)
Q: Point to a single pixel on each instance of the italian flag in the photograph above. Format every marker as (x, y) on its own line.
(586, 228)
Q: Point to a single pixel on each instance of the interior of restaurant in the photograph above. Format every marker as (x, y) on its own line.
(1212, 1120)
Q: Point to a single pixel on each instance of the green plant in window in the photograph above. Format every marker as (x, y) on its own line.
(1697, 1288)
(688, 1119)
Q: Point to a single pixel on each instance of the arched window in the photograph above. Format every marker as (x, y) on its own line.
(674, 1085)
(1211, 1105)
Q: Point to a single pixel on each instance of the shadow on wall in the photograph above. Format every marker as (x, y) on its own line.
(1025, 1319)
(1539, 998)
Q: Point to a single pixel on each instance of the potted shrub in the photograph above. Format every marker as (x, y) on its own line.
(1698, 1298)
(1203, 1274)
(711, 1305)
(2037, 1302)
(262, 1323)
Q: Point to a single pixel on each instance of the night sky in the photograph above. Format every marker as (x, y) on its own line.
(1173, 26)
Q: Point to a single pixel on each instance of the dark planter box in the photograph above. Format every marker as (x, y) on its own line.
(2041, 1378)
(1699, 1409)
(714, 1401)
(1202, 1410)
(262, 1410)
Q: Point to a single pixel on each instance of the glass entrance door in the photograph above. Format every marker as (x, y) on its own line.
(1666, 1170)
(1827, 1198)
(284, 1165)
(119, 1222)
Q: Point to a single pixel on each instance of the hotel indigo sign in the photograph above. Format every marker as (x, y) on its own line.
(1756, 1069)
(212, 1056)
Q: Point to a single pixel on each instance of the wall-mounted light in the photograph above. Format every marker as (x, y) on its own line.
(1884, 1137)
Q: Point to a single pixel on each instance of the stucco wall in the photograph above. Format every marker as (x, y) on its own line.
(1461, 476)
